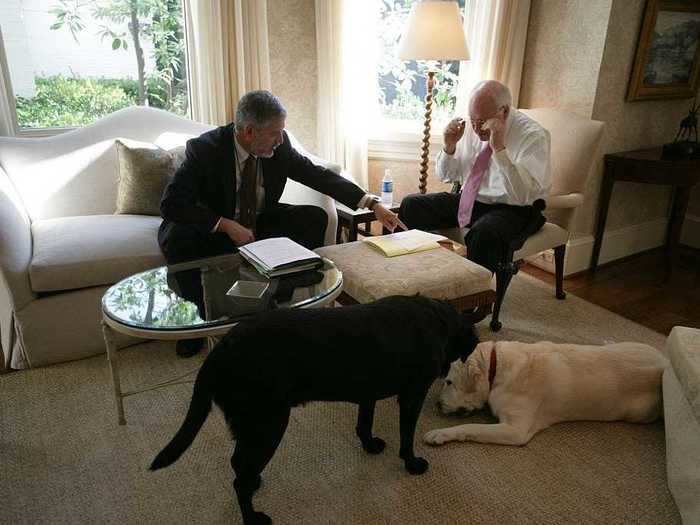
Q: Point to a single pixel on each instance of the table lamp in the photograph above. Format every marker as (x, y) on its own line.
(434, 31)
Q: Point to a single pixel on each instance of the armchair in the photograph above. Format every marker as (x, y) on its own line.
(575, 142)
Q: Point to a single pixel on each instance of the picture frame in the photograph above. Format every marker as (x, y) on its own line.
(667, 61)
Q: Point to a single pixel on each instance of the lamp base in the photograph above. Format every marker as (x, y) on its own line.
(683, 150)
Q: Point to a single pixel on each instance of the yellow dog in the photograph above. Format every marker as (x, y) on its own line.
(529, 387)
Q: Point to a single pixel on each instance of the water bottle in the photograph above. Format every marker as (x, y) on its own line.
(387, 188)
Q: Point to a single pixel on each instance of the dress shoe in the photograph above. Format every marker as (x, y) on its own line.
(189, 347)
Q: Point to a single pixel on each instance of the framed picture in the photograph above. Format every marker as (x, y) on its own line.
(667, 64)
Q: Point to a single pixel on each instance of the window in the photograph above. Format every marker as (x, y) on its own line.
(402, 85)
(74, 61)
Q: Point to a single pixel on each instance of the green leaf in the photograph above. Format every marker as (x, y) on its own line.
(116, 43)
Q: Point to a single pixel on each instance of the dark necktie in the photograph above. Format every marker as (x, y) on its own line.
(249, 177)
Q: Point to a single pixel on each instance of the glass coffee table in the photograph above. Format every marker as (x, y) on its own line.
(202, 299)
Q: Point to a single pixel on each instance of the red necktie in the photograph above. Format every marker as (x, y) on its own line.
(471, 186)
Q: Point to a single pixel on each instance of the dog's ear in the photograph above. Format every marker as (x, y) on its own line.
(468, 340)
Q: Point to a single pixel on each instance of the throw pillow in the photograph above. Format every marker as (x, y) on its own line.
(144, 171)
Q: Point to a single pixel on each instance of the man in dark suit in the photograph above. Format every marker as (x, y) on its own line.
(226, 193)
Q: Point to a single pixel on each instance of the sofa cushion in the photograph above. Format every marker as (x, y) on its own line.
(144, 170)
(92, 250)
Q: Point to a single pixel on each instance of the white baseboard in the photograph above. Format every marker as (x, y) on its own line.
(616, 244)
(690, 234)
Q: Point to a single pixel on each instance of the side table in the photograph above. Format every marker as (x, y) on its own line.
(647, 167)
(353, 219)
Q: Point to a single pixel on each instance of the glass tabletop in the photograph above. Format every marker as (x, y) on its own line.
(212, 292)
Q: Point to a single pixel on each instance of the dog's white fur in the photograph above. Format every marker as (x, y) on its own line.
(537, 385)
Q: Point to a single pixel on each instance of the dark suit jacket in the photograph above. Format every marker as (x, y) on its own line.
(203, 188)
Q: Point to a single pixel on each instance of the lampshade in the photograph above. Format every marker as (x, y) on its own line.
(434, 32)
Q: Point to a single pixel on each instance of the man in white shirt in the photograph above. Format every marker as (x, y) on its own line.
(510, 181)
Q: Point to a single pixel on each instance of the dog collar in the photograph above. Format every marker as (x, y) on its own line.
(492, 367)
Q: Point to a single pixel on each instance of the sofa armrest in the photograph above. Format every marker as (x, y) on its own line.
(15, 256)
(683, 349)
(296, 193)
(15, 246)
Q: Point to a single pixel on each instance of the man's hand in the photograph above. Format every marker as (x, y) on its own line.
(453, 132)
(238, 233)
(388, 218)
(497, 127)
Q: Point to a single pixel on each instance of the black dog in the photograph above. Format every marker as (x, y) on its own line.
(283, 358)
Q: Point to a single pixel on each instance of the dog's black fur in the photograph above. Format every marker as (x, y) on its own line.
(283, 358)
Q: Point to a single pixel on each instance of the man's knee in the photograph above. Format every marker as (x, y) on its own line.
(181, 244)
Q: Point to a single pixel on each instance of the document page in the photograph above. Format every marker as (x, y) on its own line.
(404, 242)
(278, 252)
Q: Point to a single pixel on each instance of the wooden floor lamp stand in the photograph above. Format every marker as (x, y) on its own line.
(429, 84)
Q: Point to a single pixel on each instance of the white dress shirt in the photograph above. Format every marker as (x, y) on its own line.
(517, 175)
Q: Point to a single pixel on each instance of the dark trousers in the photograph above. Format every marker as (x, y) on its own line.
(495, 231)
(181, 242)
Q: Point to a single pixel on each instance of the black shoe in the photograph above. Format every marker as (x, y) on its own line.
(189, 347)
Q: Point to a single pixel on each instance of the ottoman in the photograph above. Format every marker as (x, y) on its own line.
(439, 273)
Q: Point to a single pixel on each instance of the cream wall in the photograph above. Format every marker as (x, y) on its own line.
(579, 56)
(294, 77)
(565, 42)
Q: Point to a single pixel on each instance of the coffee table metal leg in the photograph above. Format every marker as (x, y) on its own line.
(114, 369)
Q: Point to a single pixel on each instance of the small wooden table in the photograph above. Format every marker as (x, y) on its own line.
(647, 167)
(352, 219)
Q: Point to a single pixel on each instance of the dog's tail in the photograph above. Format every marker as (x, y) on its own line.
(199, 409)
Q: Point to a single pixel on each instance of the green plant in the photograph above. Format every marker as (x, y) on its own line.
(61, 101)
(159, 20)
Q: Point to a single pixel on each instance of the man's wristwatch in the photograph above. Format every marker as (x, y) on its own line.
(373, 202)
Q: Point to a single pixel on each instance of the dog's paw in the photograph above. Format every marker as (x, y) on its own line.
(258, 518)
(374, 445)
(436, 437)
(416, 466)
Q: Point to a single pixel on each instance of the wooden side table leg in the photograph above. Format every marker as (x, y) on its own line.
(681, 196)
(605, 193)
(114, 369)
(352, 232)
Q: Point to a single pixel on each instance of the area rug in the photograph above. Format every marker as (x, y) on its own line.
(63, 458)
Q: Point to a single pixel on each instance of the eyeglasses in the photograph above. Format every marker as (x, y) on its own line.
(478, 123)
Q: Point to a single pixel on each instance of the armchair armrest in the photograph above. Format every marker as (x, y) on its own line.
(568, 200)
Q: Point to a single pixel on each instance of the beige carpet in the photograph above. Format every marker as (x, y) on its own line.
(63, 458)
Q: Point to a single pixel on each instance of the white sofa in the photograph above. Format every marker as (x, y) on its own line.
(681, 392)
(61, 245)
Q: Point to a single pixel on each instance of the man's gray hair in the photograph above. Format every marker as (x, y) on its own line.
(498, 92)
(258, 108)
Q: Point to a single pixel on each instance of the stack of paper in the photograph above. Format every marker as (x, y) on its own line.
(404, 242)
(280, 256)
